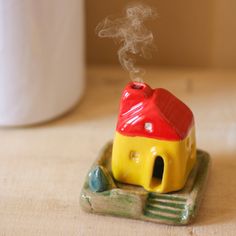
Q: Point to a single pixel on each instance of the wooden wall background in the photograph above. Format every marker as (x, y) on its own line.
(187, 32)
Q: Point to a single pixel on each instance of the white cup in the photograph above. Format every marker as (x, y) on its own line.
(41, 59)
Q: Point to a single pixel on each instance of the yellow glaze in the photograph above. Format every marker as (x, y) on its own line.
(133, 161)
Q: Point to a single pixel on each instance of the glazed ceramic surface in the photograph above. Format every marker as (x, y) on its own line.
(154, 144)
(119, 199)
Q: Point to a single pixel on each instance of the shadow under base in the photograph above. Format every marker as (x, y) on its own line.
(130, 201)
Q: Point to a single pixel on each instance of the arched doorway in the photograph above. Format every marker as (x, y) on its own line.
(158, 171)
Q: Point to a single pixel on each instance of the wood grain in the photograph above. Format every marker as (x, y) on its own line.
(43, 167)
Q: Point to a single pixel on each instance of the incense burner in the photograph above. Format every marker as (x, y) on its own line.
(154, 144)
(152, 170)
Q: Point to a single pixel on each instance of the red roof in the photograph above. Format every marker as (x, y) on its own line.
(153, 113)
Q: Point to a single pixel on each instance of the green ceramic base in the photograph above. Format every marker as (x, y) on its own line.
(177, 208)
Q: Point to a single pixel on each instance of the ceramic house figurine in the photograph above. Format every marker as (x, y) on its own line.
(154, 144)
(152, 170)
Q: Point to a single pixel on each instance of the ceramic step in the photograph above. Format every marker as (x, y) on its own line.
(165, 207)
(166, 197)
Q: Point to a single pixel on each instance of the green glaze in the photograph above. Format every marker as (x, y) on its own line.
(166, 197)
(159, 209)
(97, 180)
(114, 198)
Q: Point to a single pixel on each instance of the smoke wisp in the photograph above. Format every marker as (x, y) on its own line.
(130, 32)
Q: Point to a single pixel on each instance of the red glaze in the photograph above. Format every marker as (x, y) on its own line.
(153, 113)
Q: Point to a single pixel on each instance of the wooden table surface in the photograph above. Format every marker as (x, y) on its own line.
(42, 168)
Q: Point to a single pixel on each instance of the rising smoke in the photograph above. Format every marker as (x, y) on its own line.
(131, 33)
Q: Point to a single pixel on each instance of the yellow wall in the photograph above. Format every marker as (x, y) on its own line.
(178, 156)
(187, 32)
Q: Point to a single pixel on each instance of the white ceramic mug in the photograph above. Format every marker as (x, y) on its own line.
(41, 59)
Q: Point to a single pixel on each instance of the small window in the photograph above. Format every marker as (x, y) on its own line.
(134, 156)
(148, 126)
